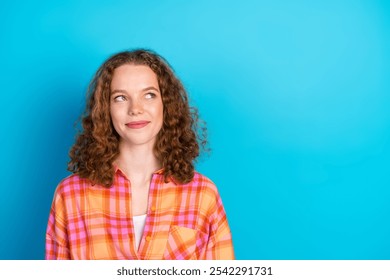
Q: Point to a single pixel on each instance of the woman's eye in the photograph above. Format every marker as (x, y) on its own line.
(150, 95)
(119, 98)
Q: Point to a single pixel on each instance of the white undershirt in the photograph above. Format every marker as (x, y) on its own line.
(139, 224)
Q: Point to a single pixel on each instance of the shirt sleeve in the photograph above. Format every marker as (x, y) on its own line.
(220, 244)
(56, 234)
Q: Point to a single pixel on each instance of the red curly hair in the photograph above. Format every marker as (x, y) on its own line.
(178, 142)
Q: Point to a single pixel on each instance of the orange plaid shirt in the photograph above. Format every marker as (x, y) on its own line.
(184, 221)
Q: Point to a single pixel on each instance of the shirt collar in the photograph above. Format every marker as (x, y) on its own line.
(118, 170)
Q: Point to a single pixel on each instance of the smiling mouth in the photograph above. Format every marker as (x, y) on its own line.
(137, 125)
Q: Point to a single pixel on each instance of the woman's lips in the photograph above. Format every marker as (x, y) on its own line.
(137, 125)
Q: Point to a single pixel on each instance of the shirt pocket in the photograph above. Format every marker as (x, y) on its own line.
(181, 244)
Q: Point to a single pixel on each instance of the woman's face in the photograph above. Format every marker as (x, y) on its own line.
(136, 106)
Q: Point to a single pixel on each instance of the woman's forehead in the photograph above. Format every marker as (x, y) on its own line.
(134, 77)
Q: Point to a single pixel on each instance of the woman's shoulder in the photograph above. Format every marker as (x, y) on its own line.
(209, 196)
(201, 179)
(203, 183)
(72, 184)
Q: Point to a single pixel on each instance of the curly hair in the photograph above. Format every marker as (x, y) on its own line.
(178, 142)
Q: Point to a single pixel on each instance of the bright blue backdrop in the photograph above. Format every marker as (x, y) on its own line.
(295, 94)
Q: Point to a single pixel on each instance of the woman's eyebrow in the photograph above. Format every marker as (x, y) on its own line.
(124, 91)
(150, 88)
(118, 91)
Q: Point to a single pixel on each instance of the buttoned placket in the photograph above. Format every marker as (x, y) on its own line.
(147, 234)
(127, 186)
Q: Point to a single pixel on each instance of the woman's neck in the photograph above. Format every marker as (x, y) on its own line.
(138, 162)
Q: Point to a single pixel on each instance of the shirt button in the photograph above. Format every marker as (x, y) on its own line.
(153, 209)
(148, 238)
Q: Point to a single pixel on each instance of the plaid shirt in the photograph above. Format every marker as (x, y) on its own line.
(184, 221)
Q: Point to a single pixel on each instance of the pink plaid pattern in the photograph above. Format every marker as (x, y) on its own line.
(184, 221)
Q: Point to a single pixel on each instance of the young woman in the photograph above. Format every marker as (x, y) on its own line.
(134, 193)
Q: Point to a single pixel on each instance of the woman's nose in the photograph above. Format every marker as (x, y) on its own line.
(135, 108)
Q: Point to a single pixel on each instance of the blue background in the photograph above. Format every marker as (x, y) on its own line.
(295, 94)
